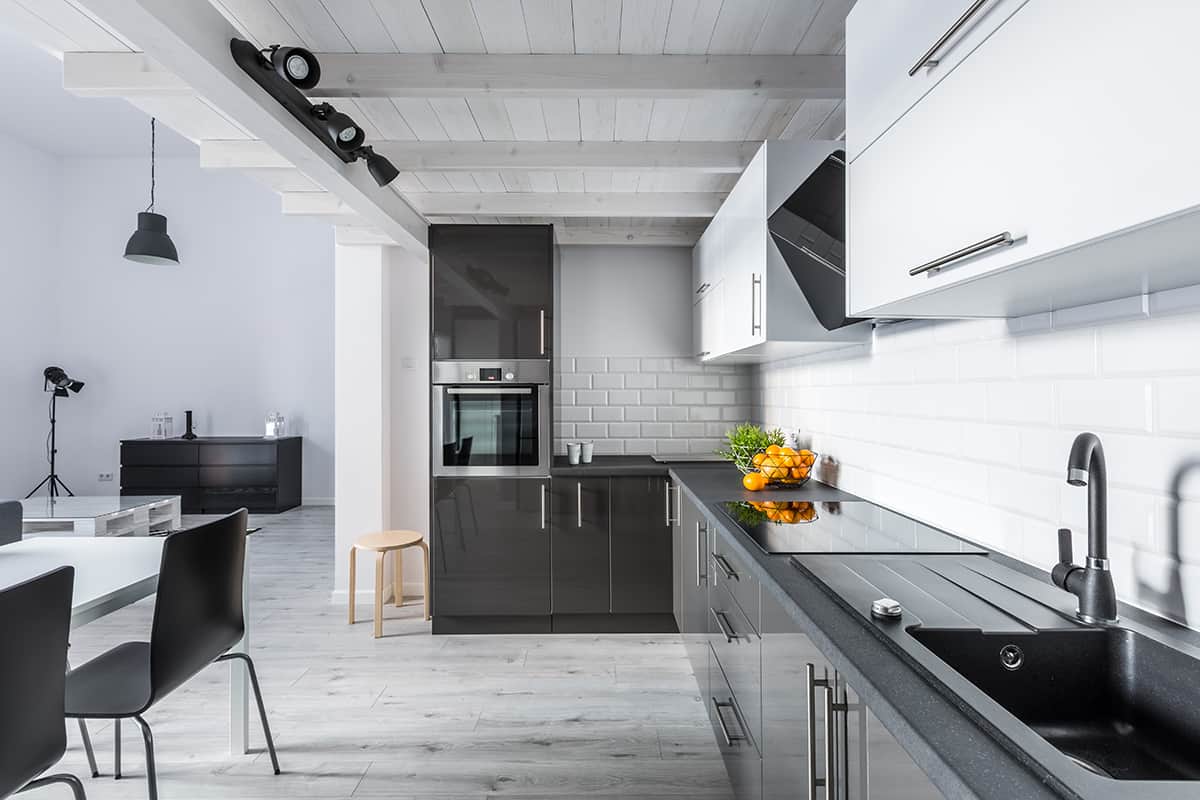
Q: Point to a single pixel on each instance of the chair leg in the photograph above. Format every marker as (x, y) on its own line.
(379, 593)
(428, 587)
(116, 749)
(69, 780)
(353, 579)
(87, 747)
(262, 709)
(151, 772)
(398, 577)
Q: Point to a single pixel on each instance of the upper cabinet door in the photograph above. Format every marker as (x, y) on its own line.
(902, 49)
(493, 290)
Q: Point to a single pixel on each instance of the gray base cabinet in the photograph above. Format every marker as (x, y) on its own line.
(581, 571)
(640, 547)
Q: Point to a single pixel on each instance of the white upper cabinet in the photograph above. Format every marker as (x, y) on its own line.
(1057, 165)
(902, 49)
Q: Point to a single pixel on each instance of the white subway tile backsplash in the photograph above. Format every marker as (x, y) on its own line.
(573, 413)
(656, 364)
(574, 381)
(1106, 404)
(608, 414)
(656, 397)
(624, 397)
(1179, 406)
(673, 413)
(704, 381)
(624, 430)
(591, 430)
(641, 380)
(703, 413)
(624, 364)
(640, 413)
(673, 381)
(592, 398)
(723, 398)
(609, 381)
(1151, 347)
(655, 429)
(591, 365)
(1021, 402)
(691, 398)
(685, 430)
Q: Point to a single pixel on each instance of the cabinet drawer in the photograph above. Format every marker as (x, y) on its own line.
(738, 748)
(237, 476)
(256, 453)
(889, 38)
(737, 648)
(730, 571)
(151, 453)
(151, 477)
(217, 501)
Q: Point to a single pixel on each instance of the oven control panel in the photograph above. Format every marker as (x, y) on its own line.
(535, 371)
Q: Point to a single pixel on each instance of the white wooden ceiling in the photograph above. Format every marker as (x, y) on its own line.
(641, 27)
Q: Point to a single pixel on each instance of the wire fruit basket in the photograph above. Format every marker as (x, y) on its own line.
(785, 469)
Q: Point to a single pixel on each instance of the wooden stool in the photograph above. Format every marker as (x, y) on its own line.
(382, 544)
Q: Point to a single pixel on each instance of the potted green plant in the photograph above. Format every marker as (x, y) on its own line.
(747, 440)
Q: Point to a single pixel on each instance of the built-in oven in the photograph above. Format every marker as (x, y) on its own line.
(491, 418)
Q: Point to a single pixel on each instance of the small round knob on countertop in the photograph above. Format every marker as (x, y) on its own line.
(886, 607)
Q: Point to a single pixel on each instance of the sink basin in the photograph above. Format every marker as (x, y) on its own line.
(1114, 701)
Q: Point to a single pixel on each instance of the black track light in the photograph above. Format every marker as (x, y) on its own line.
(382, 170)
(347, 136)
(296, 65)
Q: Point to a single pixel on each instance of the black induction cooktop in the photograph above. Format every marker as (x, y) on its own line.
(789, 526)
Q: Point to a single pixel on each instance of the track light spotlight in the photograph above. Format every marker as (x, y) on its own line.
(296, 65)
(347, 136)
(382, 170)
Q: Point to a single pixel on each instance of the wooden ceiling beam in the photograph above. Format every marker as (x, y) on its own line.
(701, 205)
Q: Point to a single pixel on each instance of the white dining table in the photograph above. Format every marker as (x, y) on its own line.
(111, 573)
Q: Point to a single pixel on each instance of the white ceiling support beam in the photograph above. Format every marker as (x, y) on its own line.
(352, 234)
(669, 236)
(119, 75)
(701, 205)
(708, 157)
(192, 41)
(442, 75)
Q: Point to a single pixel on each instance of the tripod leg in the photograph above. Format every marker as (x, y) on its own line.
(45, 480)
(66, 488)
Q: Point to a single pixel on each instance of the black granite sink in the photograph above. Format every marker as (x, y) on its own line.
(1117, 703)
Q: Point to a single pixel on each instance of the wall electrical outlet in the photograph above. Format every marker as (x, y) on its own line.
(104, 476)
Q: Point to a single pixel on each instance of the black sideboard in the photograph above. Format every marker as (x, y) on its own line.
(216, 474)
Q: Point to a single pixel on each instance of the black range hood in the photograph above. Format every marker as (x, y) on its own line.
(809, 230)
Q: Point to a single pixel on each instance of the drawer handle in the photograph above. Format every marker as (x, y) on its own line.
(755, 304)
(703, 286)
(730, 573)
(1004, 239)
(723, 624)
(730, 738)
(928, 59)
(578, 504)
(812, 682)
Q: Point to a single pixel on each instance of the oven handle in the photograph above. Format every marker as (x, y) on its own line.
(488, 390)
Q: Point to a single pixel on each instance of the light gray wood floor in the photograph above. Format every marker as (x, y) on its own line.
(411, 715)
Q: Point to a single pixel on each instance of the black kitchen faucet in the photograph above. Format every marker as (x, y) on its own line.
(1092, 583)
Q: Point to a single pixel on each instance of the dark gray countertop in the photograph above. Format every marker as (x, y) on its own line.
(968, 744)
(624, 465)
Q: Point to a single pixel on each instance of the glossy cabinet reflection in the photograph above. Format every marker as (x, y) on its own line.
(580, 551)
(693, 577)
(493, 290)
(491, 547)
(641, 547)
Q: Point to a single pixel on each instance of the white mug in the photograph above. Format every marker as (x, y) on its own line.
(585, 452)
(573, 451)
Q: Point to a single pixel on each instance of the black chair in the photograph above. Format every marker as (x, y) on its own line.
(197, 618)
(35, 622)
(10, 522)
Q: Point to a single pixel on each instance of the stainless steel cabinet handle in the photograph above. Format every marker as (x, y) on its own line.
(578, 504)
(542, 331)
(702, 287)
(489, 390)
(543, 497)
(730, 572)
(729, 737)
(701, 552)
(812, 682)
(928, 59)
(723, 624)
(667, 499)
(702, 353)
(755, 304)
(999, 240)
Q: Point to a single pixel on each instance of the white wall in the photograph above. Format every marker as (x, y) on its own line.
(29, 229)
(967, 425)
(243, 326)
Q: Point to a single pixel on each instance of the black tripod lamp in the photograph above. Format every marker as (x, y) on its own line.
(56, 381)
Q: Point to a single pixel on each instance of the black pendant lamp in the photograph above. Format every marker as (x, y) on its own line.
(150, 243)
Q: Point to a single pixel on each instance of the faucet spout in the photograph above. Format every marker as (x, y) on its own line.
(1091, 583)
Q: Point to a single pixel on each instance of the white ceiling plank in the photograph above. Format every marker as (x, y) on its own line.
(350, 106)
(407, 25)
(827, 33)
(488, 181)
(569, 180)
(120, 75)
(360, 24)
(834, 126)
(407, 182)
(597, 25)
(28, 25)
(311, 20)
(717, 119)
(623, 181)
(673, 236)
(192, 41)
(785, 25)
(260, 21)
(562, 118)
(691, 26)
(434, 181)
(516, 181)
(407, 74)
(191, 117)
(772, 119)
(808, 119)
(644, 26)
(421, 118)
(528, 123)
(597, 118)
(284, 180)
(83, 30)
(502, 25)
(461, 181)
(386, 118)
(549, 25)
(456, 118)
(563, 204)
(542, 182)
(596, 181)
(666, 119)
(632, 122)
(491, 117)
(727, 158)
(454, 23)
(738, 25)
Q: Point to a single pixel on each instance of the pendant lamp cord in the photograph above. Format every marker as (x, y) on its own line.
(152, 143)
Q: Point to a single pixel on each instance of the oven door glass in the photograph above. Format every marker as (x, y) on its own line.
(490, 427)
